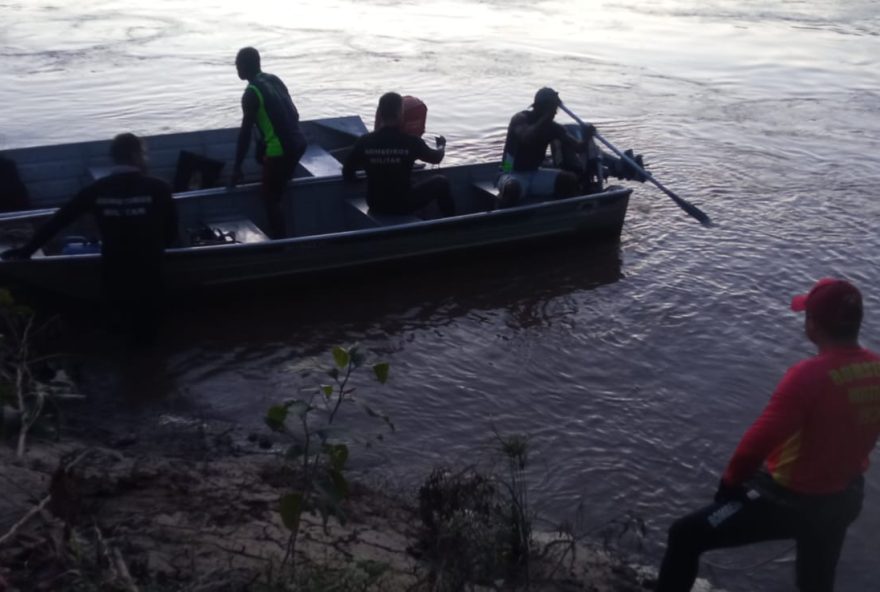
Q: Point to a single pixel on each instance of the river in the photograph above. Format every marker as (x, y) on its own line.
(634, 369)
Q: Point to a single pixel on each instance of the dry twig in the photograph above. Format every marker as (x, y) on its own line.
(10, 534)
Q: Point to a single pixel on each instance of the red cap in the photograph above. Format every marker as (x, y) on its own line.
(832, 302)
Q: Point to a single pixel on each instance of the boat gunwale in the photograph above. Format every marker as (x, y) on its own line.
(615, 192)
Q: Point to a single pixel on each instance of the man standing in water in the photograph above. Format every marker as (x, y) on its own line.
(266, 105)
(137, 220)
(815, 436)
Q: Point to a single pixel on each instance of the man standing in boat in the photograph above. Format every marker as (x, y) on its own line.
(266, 105)
(529, 134)
(388, 155)
(137, 220)
(815, 436)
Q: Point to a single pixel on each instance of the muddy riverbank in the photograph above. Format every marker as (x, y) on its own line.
(196, 509)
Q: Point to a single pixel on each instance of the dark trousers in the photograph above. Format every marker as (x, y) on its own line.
(432, 190)
(817, 524)
(134, 295)
(277, 171)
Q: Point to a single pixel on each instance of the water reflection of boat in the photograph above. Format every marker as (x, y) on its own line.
(332, 227)
(520, 288)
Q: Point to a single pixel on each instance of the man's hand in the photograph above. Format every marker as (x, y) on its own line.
(19, 254)
(440, 141)
(589, 131)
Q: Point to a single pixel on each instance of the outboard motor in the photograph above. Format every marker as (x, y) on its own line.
(594, 166)
(586, 165)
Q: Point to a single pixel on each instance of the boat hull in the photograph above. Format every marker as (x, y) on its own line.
(330, 227)
(589, 218)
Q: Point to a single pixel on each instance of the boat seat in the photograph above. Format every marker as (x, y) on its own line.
(488, 188)
(487, 194)
(319, 163)
(100, 171)
(360, 203)
(492, 195)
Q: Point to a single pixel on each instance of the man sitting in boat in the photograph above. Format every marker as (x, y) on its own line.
(529, 134)
(136, 219)
(388, 155)
(266, 104)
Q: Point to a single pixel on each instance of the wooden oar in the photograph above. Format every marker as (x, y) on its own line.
(688, 207)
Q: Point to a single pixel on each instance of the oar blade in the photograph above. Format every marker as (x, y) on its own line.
(697, 213)
(688, 207)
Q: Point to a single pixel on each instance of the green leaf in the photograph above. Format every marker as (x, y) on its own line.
(291, 510)
(337, 455)
(328, 502)
(381, 371)
(341, 357)
(6, 299)
(327, 389)
(373, 569)
(23, 310)
(340, 485)
(275, 418)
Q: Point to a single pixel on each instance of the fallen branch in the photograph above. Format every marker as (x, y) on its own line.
(121, 569)
(113, 557)
(10, 534)
(21, 374)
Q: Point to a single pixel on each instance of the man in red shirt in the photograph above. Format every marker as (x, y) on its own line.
(813, 438)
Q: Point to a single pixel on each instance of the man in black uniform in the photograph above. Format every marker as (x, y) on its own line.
(266, 104)
(528, 136)
(388, 155)
(137, 220)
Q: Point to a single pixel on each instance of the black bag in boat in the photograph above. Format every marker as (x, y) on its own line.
(206, 235)
(195, 171)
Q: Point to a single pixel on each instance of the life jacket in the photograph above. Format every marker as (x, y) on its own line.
(277, 117)
(415, 114)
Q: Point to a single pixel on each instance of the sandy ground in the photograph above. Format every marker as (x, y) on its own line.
(199, 513)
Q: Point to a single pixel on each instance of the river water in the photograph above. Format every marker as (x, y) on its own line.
(633, 369)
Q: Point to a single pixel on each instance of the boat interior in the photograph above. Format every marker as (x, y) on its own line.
(317, 202)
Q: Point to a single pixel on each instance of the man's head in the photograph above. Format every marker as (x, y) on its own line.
(390, 111)
(546, 101)
(247, 62)
(128, 149)
(833, 311)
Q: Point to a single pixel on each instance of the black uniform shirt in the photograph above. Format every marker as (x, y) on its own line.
(134, 212)
(388, 155)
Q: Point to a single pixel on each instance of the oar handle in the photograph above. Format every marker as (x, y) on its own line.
(685, 205)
